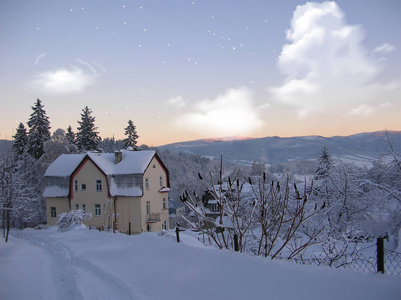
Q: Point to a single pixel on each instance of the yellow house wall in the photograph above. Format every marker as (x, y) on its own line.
(155, 198)
(128, 210)
(61, 205)
(88, 175)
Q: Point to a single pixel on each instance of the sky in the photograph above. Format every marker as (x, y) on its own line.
(186, 70)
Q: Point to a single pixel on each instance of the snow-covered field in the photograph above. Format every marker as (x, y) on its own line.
(87, 264)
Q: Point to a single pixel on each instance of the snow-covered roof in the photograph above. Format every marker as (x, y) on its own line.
(133, 162)
(121, 176)
(64, 165)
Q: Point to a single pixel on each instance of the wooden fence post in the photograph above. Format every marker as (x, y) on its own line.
(236, 247)
(380, 255)
(177, 233)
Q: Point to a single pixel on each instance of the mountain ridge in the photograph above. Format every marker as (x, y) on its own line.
(365, 147)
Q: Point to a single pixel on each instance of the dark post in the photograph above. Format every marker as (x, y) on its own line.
(177, 233)
(129, 228)
(380, 255)
(236, 247)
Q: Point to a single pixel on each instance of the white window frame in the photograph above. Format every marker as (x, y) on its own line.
(76, 185)
(83, 186)
(76, 206)
(98, 210)
(147, 183)
(147, 210)
(161, 181)
(83, 207)
(53, 212)
(165, 225)
(164, 203)
(98, 185)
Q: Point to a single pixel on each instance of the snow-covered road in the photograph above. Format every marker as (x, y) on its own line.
(86, 264)
(71, 277)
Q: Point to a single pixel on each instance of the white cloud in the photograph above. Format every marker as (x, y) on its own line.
(361, 110)
(177, 102)
(73, 80)
(385, 48)
(230, 114)
(39, 57)
(325, 64)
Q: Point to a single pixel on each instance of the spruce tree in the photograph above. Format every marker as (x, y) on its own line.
(39, 130)
(20, 142)
(70, 135)
(132, 136)
(87, 138)
(325, 164)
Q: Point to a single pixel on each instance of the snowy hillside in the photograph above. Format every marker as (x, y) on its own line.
(360, 148)
(84, 264)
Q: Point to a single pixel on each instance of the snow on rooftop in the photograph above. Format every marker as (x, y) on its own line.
(133, 162)
(64, 165)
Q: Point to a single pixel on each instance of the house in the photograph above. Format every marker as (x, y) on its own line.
(123, 190)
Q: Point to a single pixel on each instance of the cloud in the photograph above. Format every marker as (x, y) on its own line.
(39, 57)
(177, 102)
(361, 110)
(230, 114)
(385, 48)
(62, 81)
(325, 63)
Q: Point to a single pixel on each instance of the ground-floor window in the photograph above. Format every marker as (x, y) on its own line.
(97, 210)
(165, 225)
(76, 206)
(148, 228)
(83, 207)
(53, 212)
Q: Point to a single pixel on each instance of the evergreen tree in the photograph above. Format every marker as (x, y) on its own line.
(132, 136)
(39, 130)
(325, 164)
(87, 138)
(70, 135)
(20, 142)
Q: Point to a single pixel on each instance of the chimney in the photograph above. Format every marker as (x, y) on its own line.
(118, 156)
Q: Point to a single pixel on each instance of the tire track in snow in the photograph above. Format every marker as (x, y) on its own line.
(76, 278)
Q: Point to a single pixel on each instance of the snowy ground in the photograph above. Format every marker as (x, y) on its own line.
(84, 264)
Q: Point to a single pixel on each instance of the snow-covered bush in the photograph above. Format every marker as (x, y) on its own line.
(71, 219)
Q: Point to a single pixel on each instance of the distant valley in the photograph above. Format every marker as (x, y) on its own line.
(360, 148)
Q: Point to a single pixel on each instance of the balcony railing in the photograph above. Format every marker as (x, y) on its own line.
(153, 218)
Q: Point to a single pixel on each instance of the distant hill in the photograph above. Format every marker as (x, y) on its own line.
(5, 147)
(360, 148)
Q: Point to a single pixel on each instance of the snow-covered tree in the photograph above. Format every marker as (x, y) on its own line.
(132, 136)
(70, 135)
(29, 208)
(20, 142)
(254, 216)
(39, 130)
(87, 138)
(66, 221)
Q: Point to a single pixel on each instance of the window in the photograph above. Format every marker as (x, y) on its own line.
(83, 207)
(98, 185)
(76, 206)
(76, 185)
(83, 187)
(148, 228)
(147, 183)
(97, 210)
(53, 212)
(164, 203)
(147, 210)
(161, 181)
(165, 225)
